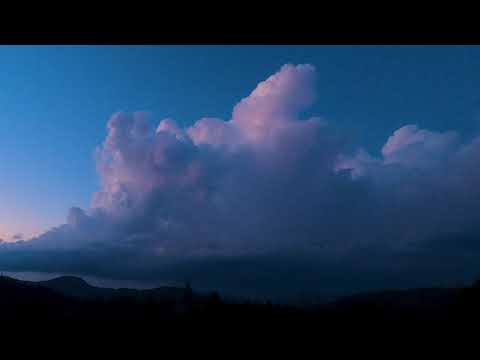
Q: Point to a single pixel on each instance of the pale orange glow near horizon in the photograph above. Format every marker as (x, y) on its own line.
(8, 233)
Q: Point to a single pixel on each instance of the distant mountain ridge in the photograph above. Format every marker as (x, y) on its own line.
(70, 304)
(15, 292)
(400, 299)
(71, 298)
(77, 287)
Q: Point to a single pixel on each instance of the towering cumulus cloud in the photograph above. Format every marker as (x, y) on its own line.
(269, 201)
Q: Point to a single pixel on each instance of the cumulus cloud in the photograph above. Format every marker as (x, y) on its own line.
(412, 146)
(265, 190)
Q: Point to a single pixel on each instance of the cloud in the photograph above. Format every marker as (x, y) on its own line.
(231, 203)
(412, 146)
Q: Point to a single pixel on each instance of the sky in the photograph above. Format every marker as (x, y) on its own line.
(78, 162)
(56, 100)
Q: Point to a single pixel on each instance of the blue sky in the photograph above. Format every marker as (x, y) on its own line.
(55, 101)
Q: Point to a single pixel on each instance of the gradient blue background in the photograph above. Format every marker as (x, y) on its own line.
(55, 101)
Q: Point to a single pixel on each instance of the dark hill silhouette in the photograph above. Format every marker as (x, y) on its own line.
(15, 292)
(78, 288)
(72, 300)
(400, 299)
(70, 286)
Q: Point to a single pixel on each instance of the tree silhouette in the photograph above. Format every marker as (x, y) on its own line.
(214, 301)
